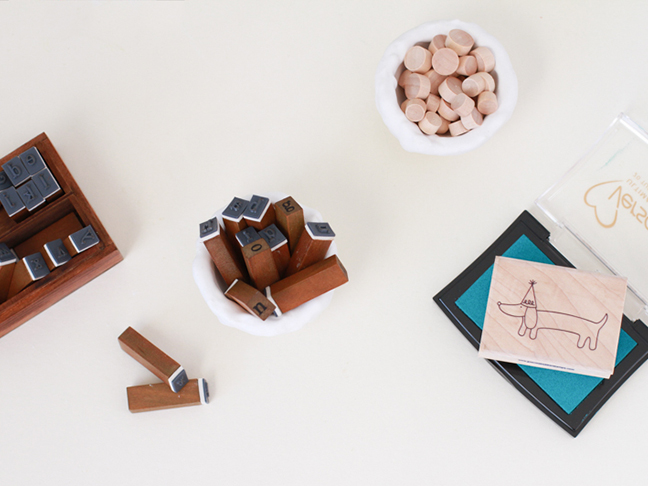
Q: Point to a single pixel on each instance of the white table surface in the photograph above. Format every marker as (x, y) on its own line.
(163, 111)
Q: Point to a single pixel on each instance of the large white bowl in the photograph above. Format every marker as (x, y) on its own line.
(408, 134)
(212, 288)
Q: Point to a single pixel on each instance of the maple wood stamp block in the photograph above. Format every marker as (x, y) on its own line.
(56, 254)
(259, 212)
(278, 244)
(260, 264)
(81, 240)
(312, 247)
(8, 261)
(158, 396)
(307, 284)
(233, 217)
(553, 317)
(27, 271)
(251, 299)
(153, 359)
(290, 220)
(228, 262)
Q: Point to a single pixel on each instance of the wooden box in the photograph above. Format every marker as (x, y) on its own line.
(46, 223)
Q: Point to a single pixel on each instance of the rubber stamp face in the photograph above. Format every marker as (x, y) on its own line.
(5, 182)
(32, 160)
(247, 236)
(234, 211)
(11, 201)
(46, 183)
(6, 255)
(16, 171)
(320, 231)
(57, 252)
(273, 236)
(256, 208)
(209, 229)
(36, 265)
(30, 195)
(84, 238)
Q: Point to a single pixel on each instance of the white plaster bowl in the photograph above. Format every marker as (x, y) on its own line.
(408, 134)
(212, 288)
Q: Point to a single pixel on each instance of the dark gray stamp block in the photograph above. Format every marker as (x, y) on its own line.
(247, 236)
(11, 201)
(46, 183)
(32, 160)
(273, 236)
(16, 171)
(7, 255)
(36, 265)
(179, 381)
(320, 230)
(30, 195)
(256, 208)
(84, 238)
(235, 209)
(209, 229)
(57, 252)
(5, 182)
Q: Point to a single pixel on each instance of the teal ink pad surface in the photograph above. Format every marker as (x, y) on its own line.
(571, 400)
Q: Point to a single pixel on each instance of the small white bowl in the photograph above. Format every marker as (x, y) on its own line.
(408, 134)
(212, 288)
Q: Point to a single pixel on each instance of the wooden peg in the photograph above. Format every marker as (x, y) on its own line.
(490, 82)
(459, 41)
(153, 359)
(487, 103)
(417, 86)
(260, 264)
(259, 212)
(438, 42)
(418, 59)
(233, 218)
(81, 240)
(473, 85)
(450, 88)
(467, 66)
(228, 262)
(8, 261)
(55, 254)
(290, 220)
(435, 80)
(430, 123)
(432, 103)
(445, 126)
(12, 203)
(414, 109)
(446, 112)
(462, 104)
(278, 244)
(485, 58)
(250, 299)
(403, 78)
(27, 271)
(472, 120)
(457, 128)
(146, 398)
(307, 284)
(312, 247)
(445, 61)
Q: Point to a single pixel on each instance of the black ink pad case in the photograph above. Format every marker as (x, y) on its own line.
(595, 218)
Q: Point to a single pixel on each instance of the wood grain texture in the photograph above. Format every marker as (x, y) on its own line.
(260, 264)
(251, 299)
(228, 262)
(307, 252)
(147, 398)
(6, 273)
(290, 220)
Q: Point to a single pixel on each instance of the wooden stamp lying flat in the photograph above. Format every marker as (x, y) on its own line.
(553, 317)
(55, 254)
(153, 359)
(146, 398)
(251, 299)
(81, 240)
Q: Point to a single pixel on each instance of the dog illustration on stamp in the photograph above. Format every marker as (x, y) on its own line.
(534, 319)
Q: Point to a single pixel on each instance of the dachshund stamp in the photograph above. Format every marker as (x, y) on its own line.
(553, 317)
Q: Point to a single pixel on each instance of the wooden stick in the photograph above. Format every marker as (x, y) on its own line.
(81, 240)
(8, 261)
(312, 247)
(278, 244)
(146, 398)
(260, 264)
(228, 262)
(307, 284)
(27, 271)
(290, 220)
(259, 212)
(153, 359)
(250, 299)
(55, 254)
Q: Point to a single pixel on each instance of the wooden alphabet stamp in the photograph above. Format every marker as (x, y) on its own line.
(27, 271)
(260, 264)
(46, 183)
(251, 299)
(158, 396)
(290, 220)
(12, 203)
(5, 182)
(30, 195)
(81, 240)
(278, 244)
(32, 160)
(16, 171)
(312, 247)
(259, 212)
(56, 254)
(233, 217)
(553, 317)
(247, 236)
(153, 359)
(228, 262)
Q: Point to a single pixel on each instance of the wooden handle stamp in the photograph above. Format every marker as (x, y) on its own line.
(259, 212)
(46, 183)
(418, 59)
(55, 254)
(153, 359)
(30, 195)
(290, 220)
(158, 396)
(307, 284)
(27, 271)
(278, 244)
(414, 109)
(62, 228)
(233, 217)
(16, 171)
(445, 61)
(247, 236)
(251, 299)
(32, 161)
(81, 240)
(228, 262)
(260, 264)
(5, 182)
(312, 247)
(8, 261)
(12, 204)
